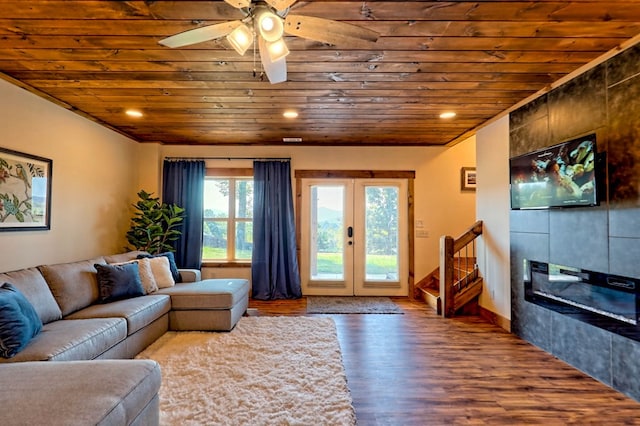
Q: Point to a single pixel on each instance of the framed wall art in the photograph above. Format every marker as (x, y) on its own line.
(468, 179)
(25, 191)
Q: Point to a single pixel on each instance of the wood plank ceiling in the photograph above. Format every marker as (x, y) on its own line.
(476, 58)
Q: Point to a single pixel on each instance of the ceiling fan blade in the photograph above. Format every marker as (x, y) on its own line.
(199, 35)
(239, 3)
(276, 70)
(280, 4)
(327, 30)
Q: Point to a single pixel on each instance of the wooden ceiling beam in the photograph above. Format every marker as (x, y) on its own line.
(295, 44)
(416, 27)
(176, 79)
(589, 11)
(219, 71)
(328, 56)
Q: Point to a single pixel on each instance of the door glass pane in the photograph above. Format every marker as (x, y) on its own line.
(327, 233)
(381, 233)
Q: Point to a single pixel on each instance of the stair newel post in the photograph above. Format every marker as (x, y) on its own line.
(446, 276)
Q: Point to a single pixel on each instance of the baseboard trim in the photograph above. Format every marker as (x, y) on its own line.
(494, 318)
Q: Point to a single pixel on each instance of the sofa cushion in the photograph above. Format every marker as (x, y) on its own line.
(138, 312)
(68, 340)
(117, 282)
(175, 272)
(110, 392)
(31, 283)
(207, 294)
(124, 257)
(19, 322)
(73, 285)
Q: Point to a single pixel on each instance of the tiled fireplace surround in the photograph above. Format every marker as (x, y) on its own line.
(604, 100)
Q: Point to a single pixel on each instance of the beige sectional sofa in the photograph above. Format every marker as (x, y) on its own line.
(108, 392)
(80, 331)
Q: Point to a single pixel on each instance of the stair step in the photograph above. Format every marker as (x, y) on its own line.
(468, 293)
(432, 298)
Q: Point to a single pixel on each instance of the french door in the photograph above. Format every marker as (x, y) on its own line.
(354, 239)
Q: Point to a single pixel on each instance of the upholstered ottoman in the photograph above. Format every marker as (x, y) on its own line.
(207, 305)
(112, 392)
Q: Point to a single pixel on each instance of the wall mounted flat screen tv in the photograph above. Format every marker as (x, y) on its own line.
(562, 175)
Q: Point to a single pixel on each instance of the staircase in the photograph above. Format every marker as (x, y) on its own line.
(460, 283)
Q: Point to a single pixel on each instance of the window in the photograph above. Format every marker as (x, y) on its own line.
(228, 216)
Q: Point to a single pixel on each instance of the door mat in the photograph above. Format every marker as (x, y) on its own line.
(351, 305)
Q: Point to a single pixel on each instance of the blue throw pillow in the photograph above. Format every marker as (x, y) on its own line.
(172, 264)
(19, 321)
(117, 282)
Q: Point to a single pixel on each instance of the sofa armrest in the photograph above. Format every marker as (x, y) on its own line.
(190, 275)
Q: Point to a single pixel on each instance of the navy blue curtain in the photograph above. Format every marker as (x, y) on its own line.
(274, 262)
(183, 184)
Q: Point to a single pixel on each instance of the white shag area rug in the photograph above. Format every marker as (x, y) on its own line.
(266, 371)
(351, 305)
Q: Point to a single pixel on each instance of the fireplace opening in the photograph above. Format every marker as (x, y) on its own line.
(605, 300)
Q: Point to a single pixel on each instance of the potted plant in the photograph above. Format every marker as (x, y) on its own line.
(154, 224)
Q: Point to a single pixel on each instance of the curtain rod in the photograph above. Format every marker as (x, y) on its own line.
(231, 158)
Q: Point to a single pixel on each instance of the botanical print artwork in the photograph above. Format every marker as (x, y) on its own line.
(24, 183)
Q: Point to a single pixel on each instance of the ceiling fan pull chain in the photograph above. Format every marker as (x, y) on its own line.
(254, 55)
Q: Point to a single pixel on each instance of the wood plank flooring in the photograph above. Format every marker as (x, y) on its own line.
(420, 369)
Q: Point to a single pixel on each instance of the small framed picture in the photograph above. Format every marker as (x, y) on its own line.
(25, 191)
(468, 179)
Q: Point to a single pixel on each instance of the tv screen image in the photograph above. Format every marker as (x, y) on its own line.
(563, 175)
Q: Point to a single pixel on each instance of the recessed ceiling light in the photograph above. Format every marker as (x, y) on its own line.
(290, 114)
(450, 114)
(134, 113)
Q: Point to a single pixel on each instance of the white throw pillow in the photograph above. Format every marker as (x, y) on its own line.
(161, 271)
(146, 274)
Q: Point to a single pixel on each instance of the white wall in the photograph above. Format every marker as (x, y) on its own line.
(492, 207)
(439, 203)
(94, 181)
(149, 168)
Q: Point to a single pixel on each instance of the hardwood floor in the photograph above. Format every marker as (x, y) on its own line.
(420, 369)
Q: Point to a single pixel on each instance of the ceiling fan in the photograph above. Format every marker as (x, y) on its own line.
(267, 21)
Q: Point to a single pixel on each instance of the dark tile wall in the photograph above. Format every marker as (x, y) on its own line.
(605, 100)
(624, 105)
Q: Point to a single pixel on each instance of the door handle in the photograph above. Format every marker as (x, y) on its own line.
(350, 232)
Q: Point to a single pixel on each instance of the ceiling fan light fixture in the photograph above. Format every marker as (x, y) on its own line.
(277, 50)
(241, 39)
(264, 24)
(270, 25)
